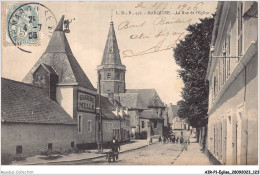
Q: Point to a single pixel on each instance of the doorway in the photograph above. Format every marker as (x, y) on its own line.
(238, 137)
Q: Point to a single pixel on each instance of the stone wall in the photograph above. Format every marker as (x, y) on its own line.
(34, 138)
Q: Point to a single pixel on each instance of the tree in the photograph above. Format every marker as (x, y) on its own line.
(192, 55)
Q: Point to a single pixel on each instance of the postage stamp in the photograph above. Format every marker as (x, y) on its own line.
(24, 23)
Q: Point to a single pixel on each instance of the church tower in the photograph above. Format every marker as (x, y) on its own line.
(111, 70)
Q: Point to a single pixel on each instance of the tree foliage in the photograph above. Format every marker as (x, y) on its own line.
(192, 55)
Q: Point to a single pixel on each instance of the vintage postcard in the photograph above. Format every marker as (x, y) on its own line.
(129, 83)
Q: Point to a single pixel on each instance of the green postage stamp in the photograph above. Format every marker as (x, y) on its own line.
(25, 22)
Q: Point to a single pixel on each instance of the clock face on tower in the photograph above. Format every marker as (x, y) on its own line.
(108, 75)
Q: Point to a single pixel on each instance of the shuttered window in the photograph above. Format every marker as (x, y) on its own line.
(240, 28)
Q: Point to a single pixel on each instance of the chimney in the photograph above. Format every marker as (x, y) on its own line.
(126, 110)
(121, 112)
(116, 111)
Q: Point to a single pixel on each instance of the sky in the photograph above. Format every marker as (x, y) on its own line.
(146, 33)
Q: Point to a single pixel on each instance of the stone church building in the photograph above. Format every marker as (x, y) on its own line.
(144, 106)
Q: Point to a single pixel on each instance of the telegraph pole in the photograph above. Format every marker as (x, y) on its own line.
(100, 140)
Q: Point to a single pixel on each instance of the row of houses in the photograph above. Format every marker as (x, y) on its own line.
(232, 134)
(175, 122)
(55, 107)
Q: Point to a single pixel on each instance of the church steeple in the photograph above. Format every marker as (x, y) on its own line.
(111, 69)
(111, 52)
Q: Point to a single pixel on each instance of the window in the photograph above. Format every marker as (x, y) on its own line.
(72, 144)
(155, 124)
(117, 77)
(214, 139)
(19, 149)
(108, 75)
(89, 126)
(215, 86)
(228, 54)
(110, 126)
(240, 28)
(50, 146)
(142, 124)
(220, 64)
(79, 124)
(224, 70)
(224, 48)
(220, 142)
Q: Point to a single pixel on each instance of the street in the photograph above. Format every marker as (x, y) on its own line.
(155, 154)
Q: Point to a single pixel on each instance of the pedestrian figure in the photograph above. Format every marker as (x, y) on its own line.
(181, 140)
(185, 146)
(115, 147)
(151, 140)
(164, 139)
(177, 139)
(160, 139)
(173, 139)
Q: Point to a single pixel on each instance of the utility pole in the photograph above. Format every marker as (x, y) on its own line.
(100, 131)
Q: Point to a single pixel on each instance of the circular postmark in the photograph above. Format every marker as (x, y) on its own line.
(28, 23)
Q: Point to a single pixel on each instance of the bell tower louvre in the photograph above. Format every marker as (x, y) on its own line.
(111, 70)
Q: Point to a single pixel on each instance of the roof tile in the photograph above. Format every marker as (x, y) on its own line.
(26, 103)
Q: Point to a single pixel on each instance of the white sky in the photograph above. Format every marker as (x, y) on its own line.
(89, 33)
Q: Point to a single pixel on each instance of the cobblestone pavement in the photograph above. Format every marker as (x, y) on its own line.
(156, 154)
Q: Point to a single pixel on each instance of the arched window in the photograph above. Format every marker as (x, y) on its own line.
(108, 75)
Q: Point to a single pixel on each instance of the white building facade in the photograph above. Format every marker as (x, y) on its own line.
(233, 83)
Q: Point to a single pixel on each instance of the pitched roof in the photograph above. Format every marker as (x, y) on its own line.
(28, 104)
(59, 56)
(132, 101)
(111, 52)
(107, 108)
(48, 68)
(149, 97)
(150, 114)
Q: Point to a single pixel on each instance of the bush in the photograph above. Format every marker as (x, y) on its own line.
(6, 158)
